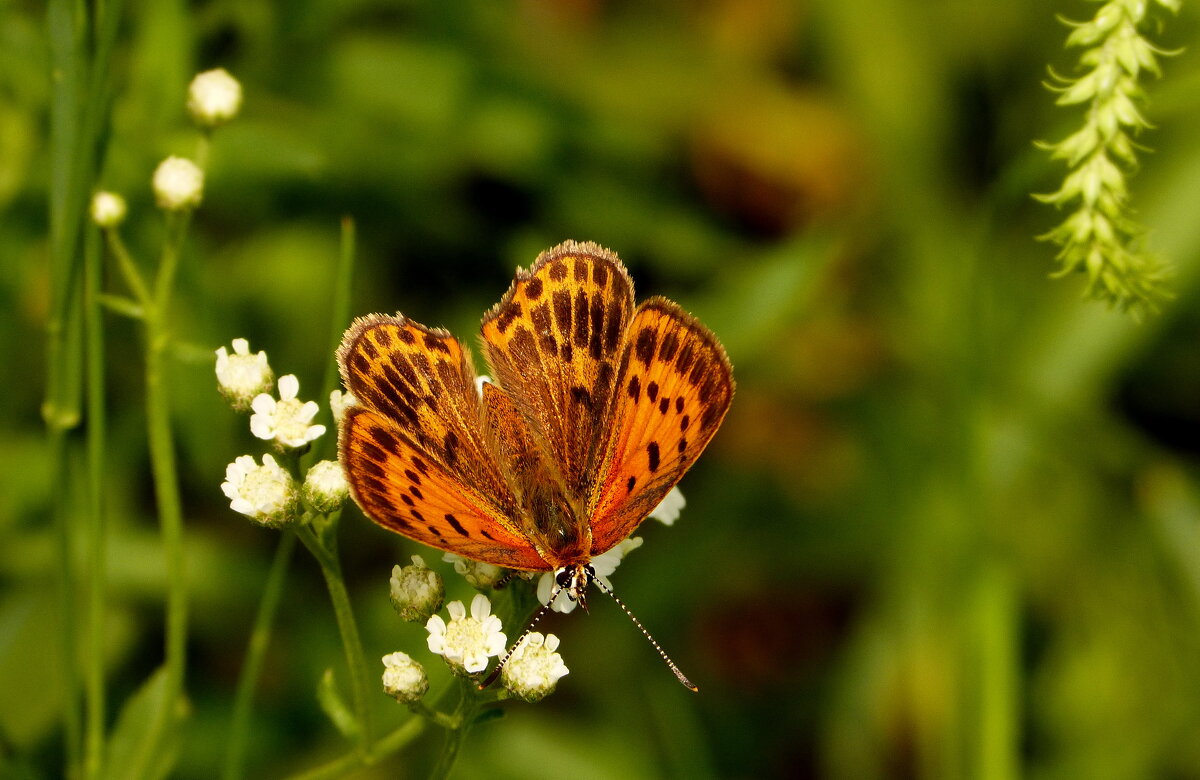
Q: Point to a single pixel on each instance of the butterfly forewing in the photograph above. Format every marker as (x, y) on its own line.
(554, 343)
(414, 450)
(674, 388)
(596, 412)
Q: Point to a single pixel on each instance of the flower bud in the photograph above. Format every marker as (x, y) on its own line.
(403, 678)
(325, 487)
(178, 184)
(214, 97)
(416, 591)
(108, 209)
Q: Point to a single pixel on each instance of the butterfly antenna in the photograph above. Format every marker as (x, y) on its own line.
(663, 653)
(533, 621)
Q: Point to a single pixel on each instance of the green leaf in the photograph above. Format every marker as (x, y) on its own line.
(138, 749)
(335, 707)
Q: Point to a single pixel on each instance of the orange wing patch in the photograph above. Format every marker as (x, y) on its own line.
(674, 389)
(403, 489)
(422, 379)
(553, 343)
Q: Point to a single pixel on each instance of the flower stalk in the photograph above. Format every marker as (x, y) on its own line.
(1101, 238)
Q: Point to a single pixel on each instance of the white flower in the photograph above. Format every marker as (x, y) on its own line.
(214, 97)
(339, 402)
(108, 209)
(467, 642)
(667, 511)
(178, 184)
(534, 668)
(603, 565)
(241, 376)
(286, 420)
(416, 591)
(403, 678)
(265, 493)
(325, 487)
(481, 575)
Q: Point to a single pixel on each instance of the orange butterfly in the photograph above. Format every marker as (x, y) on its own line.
(596, 412)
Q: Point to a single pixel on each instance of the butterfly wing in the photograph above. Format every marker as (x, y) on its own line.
(553, 343)
(413, 449)
(674, 387)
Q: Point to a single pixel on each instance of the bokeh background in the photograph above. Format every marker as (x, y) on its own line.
(951, 525)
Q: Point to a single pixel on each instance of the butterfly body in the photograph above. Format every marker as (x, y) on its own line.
(596, 411)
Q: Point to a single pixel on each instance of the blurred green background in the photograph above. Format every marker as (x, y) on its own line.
(951, 525)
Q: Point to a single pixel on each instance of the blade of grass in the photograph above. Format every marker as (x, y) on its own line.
(96, 548)
(260, 639)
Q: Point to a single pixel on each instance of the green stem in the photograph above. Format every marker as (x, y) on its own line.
(170, 511)
(177, 224)
(127, 267)
(162, 460)
(468, 707)
(392, 743)
(260, 637)
(331, 569)
(96, 454)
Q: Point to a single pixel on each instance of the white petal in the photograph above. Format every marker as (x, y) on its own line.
(667, 511)
(289, 386)
(260, 426)
(481, 608)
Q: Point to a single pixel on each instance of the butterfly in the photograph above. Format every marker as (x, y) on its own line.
(596, 410)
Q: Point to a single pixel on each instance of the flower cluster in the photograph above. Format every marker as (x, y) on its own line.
(534, 668)
(268, 493)
(466, 641)
(1100, 238)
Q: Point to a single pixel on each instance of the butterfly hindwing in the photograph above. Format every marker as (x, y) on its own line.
(405, 490)
(413, 448)
(674, 388)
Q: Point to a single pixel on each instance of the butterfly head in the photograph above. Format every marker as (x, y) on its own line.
(575, 579)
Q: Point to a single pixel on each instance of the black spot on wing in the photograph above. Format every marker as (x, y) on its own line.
(580, 318)
(436, 344)
(457, 526)
(644, 345)
(561, 302)
(508, 313)
(652, 454)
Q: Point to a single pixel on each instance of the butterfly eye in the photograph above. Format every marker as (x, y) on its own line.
(563, 577)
